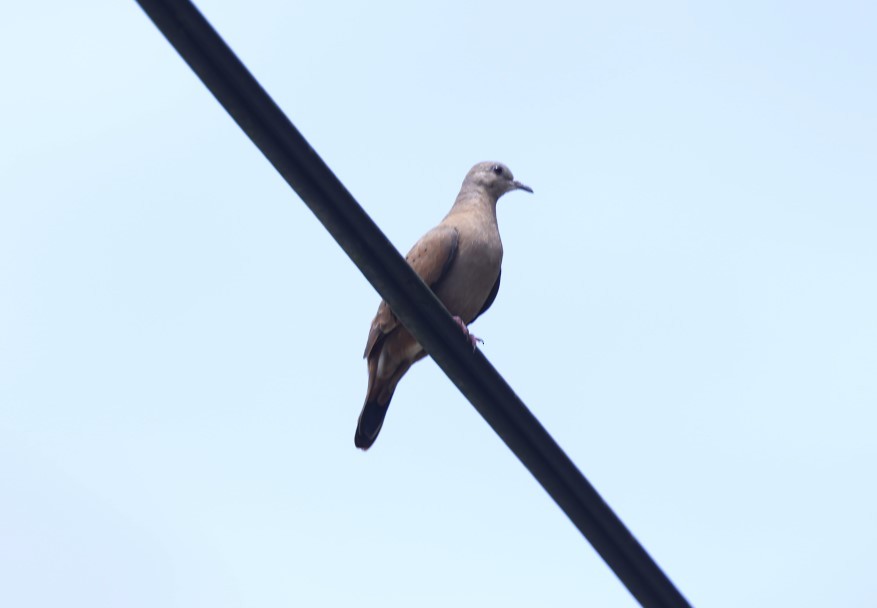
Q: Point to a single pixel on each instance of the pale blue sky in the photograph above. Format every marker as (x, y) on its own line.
(688, 305)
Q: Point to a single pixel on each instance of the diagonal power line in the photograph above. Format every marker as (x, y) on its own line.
(412, 301)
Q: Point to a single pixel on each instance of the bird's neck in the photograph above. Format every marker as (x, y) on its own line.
(475, 200)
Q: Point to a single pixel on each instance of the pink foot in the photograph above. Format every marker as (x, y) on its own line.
(473, 339)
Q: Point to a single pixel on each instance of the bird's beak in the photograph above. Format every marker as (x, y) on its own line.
(519, 186)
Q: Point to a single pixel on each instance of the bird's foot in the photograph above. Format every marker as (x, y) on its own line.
(473, 339)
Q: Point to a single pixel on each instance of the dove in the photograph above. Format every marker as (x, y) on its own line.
(460, 260)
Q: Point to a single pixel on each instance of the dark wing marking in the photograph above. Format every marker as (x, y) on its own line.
(490, 298)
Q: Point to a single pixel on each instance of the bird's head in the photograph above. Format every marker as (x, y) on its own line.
(495, 178)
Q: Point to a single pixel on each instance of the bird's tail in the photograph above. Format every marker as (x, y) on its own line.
(371, 419)
(377, 401)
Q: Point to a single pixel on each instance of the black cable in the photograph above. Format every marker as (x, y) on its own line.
(412, 301)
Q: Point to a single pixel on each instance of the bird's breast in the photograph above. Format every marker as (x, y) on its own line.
(472, 274)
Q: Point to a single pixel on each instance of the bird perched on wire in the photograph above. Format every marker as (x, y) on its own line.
(460, 260)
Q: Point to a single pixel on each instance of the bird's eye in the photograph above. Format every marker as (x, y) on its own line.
(497, 169)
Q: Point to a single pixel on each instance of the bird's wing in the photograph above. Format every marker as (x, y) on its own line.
(490, 298)
(430, 258)
(432, 255)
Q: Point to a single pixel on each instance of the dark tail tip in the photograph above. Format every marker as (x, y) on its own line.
(370, 421)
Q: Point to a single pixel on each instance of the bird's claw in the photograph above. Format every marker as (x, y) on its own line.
(472, 338)
(475, 340)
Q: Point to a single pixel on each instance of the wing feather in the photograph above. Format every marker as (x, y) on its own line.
(430, 258)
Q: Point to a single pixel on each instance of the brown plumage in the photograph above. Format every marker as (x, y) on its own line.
(460, 260)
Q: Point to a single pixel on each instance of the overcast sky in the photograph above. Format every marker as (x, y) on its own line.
(688, 305)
